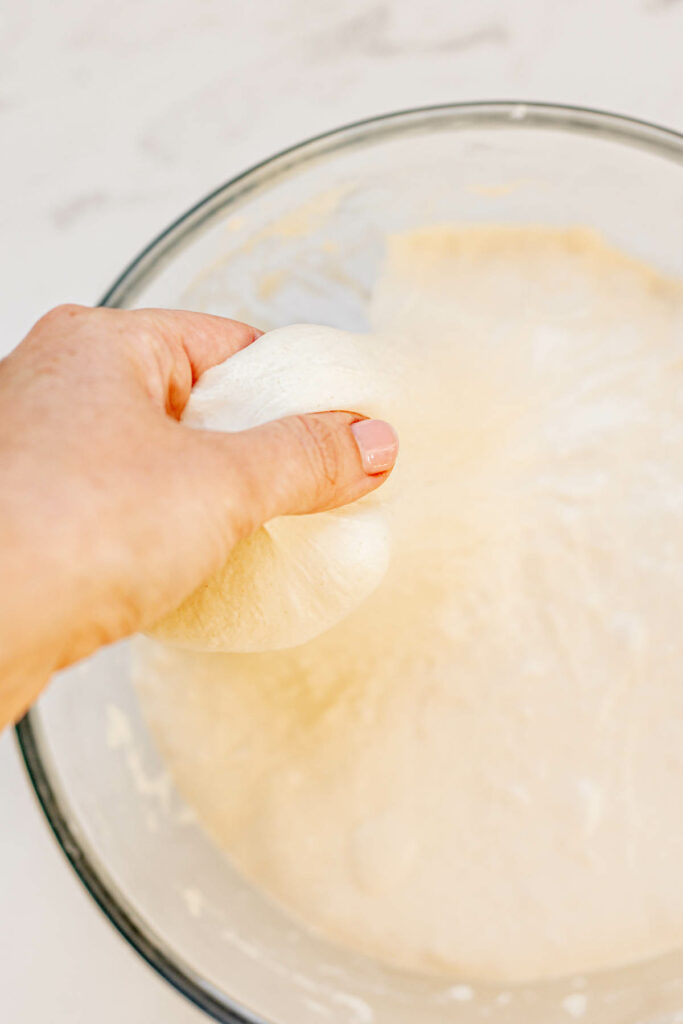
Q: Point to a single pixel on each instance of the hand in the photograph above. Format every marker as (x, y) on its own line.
(111, 510)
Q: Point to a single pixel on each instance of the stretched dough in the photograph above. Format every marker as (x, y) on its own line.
(298, 575)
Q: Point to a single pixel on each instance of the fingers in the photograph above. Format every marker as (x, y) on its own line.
(300, 464)
(168, 350)
(206, 340)
(176, 347)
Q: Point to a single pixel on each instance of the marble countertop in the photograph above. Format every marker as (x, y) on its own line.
(115, 118)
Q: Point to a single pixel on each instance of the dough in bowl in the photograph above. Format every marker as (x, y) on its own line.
(298, 575)
(479, 771)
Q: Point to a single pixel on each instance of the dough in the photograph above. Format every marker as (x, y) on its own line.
(298, 575)
(479, 771)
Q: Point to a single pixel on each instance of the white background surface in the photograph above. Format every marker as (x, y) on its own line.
(114, 117)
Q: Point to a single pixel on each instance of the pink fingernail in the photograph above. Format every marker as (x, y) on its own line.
(377, 443)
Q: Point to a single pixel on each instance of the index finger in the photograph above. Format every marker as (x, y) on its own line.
(206, 339)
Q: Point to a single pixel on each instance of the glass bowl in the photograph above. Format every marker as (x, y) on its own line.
(324, 208)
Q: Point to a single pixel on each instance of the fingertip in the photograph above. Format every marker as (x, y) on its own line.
(377, 444)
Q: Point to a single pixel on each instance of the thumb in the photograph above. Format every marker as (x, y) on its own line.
(301, 464)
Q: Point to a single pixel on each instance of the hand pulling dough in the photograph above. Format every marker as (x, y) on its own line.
(298, 575)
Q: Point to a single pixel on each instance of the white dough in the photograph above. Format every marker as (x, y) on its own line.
(298, 575)
(479, 771)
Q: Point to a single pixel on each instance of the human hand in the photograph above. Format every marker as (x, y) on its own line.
(111, 510)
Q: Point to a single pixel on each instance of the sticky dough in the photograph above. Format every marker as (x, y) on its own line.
(298, 575)
(479, 771)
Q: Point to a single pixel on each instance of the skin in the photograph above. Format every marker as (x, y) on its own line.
(111, 510)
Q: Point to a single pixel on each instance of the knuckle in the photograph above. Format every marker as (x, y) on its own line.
(58, 332)
(143, 331)
(321, 445)
(61, 315)
(156, 334)
(68, 310)
(157, 327)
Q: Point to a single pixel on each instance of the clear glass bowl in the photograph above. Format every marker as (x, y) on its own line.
(323, 209)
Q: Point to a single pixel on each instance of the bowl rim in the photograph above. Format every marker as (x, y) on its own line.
(495, 113)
